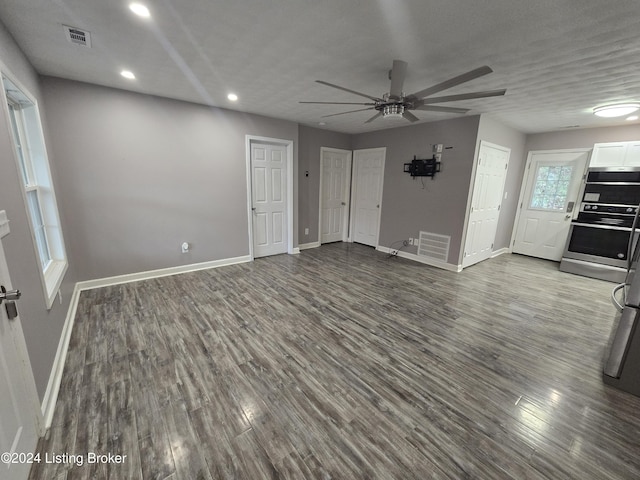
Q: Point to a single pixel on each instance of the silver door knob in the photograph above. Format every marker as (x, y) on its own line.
(567, 217)
(10, 295)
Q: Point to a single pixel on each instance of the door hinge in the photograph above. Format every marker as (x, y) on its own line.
(492, 246)
(498, 207)
(506, 165)
(520, 204)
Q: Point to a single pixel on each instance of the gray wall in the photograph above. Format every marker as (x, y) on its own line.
(140, 174)
(495, 132)
(42, 328)
(311, 140)
(581, 138)
(410, 205)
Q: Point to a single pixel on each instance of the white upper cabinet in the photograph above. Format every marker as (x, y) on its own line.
(616, 154)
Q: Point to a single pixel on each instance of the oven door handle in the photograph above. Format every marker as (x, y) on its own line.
(605, 227)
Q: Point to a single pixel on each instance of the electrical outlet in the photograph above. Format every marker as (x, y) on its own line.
(306, 231)
(410, 241)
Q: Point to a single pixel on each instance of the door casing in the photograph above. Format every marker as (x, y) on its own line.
(249, 139)
(354, 191)
(346, 221)
(525, 179)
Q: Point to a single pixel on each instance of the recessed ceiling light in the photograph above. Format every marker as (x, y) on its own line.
(610, 111)
(233, 97)
(632, 118)
(140, 10)
(322, 124)
(128, 74)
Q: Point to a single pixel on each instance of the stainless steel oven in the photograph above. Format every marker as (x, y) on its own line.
(598, 240)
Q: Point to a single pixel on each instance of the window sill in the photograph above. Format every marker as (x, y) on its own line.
(52, 280)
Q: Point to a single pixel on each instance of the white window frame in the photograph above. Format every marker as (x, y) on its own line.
(35, 179)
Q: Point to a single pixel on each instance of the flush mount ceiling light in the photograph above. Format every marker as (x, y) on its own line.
(233, 97)
(139, 10)
(128, 74)
(620, 110)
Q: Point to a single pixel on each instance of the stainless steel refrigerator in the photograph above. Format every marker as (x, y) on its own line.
(622, 362)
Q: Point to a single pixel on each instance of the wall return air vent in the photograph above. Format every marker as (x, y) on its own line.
(77, 36)
(434, 246)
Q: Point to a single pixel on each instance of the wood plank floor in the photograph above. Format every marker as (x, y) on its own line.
(343, 363)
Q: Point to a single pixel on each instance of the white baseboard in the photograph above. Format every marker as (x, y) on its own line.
(55, 378)
(306, 246)
(500, 251)
(53, 386)
(162, 272)
(420, 259)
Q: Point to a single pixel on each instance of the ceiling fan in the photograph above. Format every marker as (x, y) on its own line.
(396, 104)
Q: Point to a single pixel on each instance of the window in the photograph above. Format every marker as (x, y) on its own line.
(551, 187)
(40, 202)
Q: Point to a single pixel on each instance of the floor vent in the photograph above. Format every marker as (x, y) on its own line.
(434, 246)
(77, 36)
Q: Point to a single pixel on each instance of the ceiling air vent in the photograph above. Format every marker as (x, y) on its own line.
(77, 36)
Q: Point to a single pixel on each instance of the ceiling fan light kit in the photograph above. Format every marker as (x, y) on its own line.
(396, 105)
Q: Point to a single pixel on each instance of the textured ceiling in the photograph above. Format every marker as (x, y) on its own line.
(556, 58)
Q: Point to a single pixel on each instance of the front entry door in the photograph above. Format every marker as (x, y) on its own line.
(488, 188)
(366, 192)
(549, 200)
(269, 198)
(19, 412)
(335, 175)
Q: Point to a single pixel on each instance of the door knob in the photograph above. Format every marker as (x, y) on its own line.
(342, 203)
(567, 217)
(10, 295)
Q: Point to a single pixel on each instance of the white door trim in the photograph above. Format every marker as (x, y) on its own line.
(472, 183)
(525, 179)
(289, 146)
(352, 219)
(347, 230)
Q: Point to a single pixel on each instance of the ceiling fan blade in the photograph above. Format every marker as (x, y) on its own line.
(339, 103)
(435, 108)
(375, 99)
(452, 82)
(351, 111)
(379, 114)
(397, 76)
(465, 96)
(410, 116)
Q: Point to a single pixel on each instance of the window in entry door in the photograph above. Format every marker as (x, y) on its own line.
(551, 187)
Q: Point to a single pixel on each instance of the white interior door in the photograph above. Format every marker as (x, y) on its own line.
(366, 195)
(550, 197)
(335, 176)
(269, 198)
(488, 188)
(20, 415)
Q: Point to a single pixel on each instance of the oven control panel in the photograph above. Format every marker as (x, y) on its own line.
(607, 208)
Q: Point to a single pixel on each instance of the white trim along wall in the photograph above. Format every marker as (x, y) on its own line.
(55, 378)
(289, 145)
